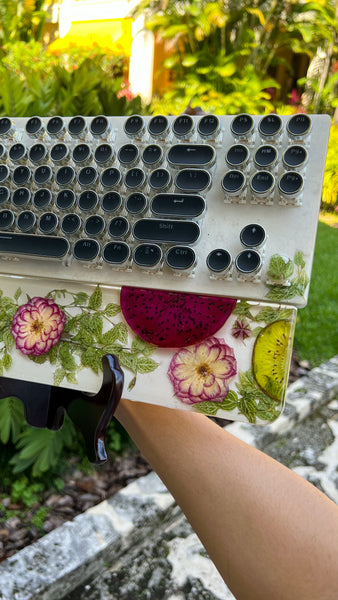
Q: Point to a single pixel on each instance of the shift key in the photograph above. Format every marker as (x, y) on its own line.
(166, 231)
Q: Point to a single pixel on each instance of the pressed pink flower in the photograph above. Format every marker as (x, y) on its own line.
(37, 326)
(241, 329)
(202, 372)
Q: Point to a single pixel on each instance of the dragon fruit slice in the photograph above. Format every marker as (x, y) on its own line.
(173, 319)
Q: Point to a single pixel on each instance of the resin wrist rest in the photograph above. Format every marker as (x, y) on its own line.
(238, 373)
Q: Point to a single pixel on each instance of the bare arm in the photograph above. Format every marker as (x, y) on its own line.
(270, 533)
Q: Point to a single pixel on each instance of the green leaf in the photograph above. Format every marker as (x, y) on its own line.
(280, 268)
(91, 358)
(17, 294)
(112, 310)
(96, 325)
(95, 299)
(242, 309)
(299, 259)
(11, 419)
(8, 339)
(80, 299)
(129, 360)
(67, 360)
(189, 60)
(7, 361)
(132, 383)
(59, 375)
(121, 332)
(145, 364)
(142, 347)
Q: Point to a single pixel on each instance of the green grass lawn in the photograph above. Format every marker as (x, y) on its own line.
(316, 337)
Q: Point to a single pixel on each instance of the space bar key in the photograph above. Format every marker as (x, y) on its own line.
(21, 244)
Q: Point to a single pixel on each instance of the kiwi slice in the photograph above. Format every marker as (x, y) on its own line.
(271, 357)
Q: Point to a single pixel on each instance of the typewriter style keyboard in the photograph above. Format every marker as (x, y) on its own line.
(200, 204)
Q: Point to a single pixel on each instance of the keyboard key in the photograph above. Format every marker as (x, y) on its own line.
(158, 126)
(291, 184)
(147, 256)
(21, 175)
(56, 127)
(3, 152)
(59, 153)
(119, 228)
(270, 126)
(136, 204)
(82, 154)
(299, 126)
(178, 205)
(128, 155)
(21, 197)
(134, 126)
(135, 178)
(104, 155)
(237, 156)
(160, 179)
(71, 224)
(100, 126)
(111, 202)
(111, 177)
(65, 176)
(86, 250)
(262, 183)
(248, 262)
(88, 201)
(6, 127)
(7, 219)
(35, 127)
(87, 177)
(183, 126)
(4, 195)
(116, 253)
(233, 183)
(65, 200)
(26, 221)
(38, 153)
(242, 126)
(77, 127)
(4, 173)
(295, 156)
(208, 126)
(193, 180)
(191, 155)
(152, 156)
(43, 175)
(180, 258)
(95, 225)
(252, 236)
(48, 222)
(219, 261)
(165, 231)
(265, 156)
(31, 245)
(42, 198)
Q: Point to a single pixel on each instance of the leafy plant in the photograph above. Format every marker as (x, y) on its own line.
(330, 185)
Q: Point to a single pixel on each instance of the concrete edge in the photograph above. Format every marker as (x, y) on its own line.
(63, 559)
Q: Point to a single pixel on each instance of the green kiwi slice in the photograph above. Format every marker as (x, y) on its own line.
(271, 357)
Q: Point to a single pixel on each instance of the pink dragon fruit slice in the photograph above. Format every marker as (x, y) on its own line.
(173, 319)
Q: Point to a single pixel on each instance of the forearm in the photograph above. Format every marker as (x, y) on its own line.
(270, 533)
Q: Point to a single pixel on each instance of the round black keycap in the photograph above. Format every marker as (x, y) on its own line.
(118, 227)
(21, 196)
(270, 126)
(5, 126)
(242, 125)
(180, 257)
(55, 126)
(88, 200)
(81, 153)
(208, 126)
(134, 126)
(158, 126)
(87, 176)
(26, 221)
(183, 126)
(59, 152)
(237, 155)
(48, 222)
(111, 177)
(233, 182)
(291, 183)
(65, 176)
(37, 153)
(4, 195)
(265, 156)
(34, 126)
(111, 202)
(252, 236)
(219, 260)
(71, 224)
(295, 156)
(136, 204)
(65, 200)
(134, 178)
(248, 262)
(21, 175)
(77, 126)
(43, 175)
(3, 152)
(116, 253)
(86, 250)
(42, 198)
(95, 225)
(152, 155)
(103, 154)
(128, 155)
(4, 173)
(299, 125)
(147, 255)
(99, 126)
(160, 179)
(192, 180)
(17, 152)
(262, 182)
(6, 219)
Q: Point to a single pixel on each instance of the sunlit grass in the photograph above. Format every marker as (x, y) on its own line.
(316, 338)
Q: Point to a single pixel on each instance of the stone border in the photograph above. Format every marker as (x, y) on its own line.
(66, 557)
